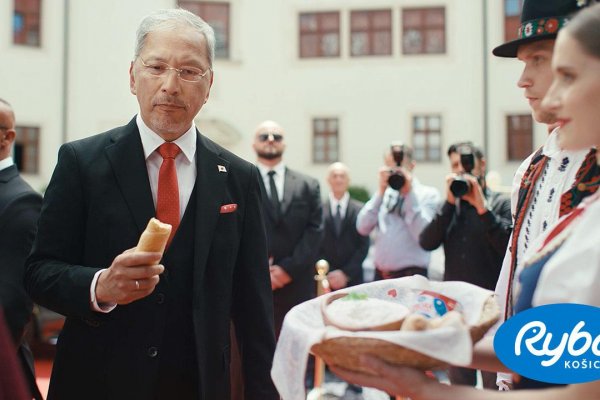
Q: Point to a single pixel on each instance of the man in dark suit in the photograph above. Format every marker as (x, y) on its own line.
(342, 246)
(19, 211)
(294, 221)
(136, 329)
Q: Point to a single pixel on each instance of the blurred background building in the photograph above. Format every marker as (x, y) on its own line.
(344, 77)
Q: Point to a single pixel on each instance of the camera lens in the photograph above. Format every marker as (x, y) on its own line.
(396, 181)
(459, 186)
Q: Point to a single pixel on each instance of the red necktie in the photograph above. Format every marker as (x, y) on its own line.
(167, 202)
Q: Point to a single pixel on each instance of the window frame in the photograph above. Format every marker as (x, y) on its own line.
(320, 33)
(523, 147)
(424, 30)
(427, 132)
(511, 23)
(22, 153)
(326, 134)
(371, 32)
(31, 11)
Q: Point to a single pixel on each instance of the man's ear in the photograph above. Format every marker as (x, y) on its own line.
(7, 140)
(212, 77)
(131, 80)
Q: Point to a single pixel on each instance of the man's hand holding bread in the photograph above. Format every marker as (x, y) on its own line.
(134, 273)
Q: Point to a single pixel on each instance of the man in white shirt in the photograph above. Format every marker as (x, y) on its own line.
(398, 216)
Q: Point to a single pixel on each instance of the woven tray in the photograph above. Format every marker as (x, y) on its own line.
(345, 351)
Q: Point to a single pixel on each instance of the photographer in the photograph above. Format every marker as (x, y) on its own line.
(398, 215)
(474, 225)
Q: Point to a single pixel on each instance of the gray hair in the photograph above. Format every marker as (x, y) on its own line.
(170, 18)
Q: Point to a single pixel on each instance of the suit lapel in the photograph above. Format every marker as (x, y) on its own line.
(126, 156)
(211, 180)
(289, 187)
(8, 173)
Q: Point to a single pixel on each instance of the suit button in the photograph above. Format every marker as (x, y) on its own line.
(152, 352)
(160, 298)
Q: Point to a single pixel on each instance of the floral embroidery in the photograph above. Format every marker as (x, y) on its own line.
(528, 29)
(563, 164)
(551, 25)
(551, 195)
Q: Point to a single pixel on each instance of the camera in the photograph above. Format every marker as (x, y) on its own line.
(396, 180)
(460, 186)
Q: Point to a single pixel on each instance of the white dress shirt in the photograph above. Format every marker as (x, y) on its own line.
(279, 178)
(343, 202)
(7, 162)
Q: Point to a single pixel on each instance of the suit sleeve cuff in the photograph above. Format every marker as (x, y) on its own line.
(103, 308)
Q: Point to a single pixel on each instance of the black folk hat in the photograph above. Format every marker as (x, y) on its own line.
(540, 19)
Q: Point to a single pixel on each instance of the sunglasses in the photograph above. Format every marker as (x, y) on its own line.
(263, 137)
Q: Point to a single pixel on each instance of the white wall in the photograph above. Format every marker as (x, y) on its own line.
(373, 97)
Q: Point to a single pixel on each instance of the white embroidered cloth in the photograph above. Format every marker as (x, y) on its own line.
(303, 326)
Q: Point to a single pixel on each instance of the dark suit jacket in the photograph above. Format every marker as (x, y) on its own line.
(294, 239)
(96, 206)
(348, 250)
(19, 211)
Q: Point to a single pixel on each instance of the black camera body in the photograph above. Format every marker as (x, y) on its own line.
(460, 186)
(396, 180)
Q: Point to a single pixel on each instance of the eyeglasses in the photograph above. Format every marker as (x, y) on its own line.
(263, 137)
(188, 74)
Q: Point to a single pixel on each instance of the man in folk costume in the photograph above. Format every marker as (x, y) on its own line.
(551, 182)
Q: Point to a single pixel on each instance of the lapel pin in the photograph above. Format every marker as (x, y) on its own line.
(222, 168)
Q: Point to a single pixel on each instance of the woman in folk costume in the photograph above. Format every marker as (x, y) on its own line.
(564, 265)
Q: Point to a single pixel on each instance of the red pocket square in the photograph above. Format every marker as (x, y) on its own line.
(228, 208)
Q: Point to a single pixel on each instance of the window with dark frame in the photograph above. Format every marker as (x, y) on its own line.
(512, 19)
(427, 138)
(26, 150)
(319, 34)
(27, 22)
(371, 33)
(519, 134)
(424, 30)
(216, 14)
(325, 140)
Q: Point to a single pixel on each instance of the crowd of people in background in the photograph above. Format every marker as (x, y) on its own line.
(201, 320)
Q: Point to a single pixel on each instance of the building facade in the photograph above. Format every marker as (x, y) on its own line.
(345, 78)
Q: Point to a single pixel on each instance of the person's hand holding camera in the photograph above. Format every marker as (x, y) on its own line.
(449, 196)
(406, 188)
(475, 194)
(384, 175)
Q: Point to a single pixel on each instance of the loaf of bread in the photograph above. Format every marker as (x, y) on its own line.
(418, 322)
(415, 322)
(155, 237)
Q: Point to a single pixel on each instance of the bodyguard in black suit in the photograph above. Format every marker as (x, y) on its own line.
(19, 211)
(343, 247)
(294, 221)
(136, 329)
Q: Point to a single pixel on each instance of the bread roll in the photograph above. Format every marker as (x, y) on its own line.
(450, 318)
(415, 322)
(155, 237)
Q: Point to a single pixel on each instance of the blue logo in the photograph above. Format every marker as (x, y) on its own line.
(555, 343)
